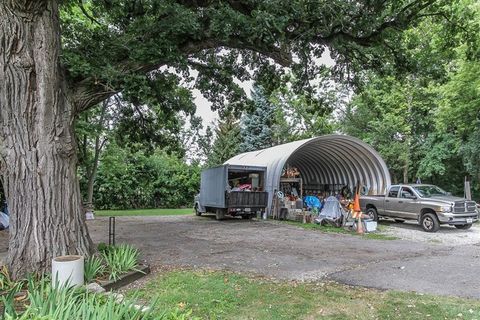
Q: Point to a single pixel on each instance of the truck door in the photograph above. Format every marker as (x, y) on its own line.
(408, 206)
(391, 201)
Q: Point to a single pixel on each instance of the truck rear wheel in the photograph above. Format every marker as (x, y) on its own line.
(197, 213)
(429, 222)
(372, 213)
(463, 226)
(220, 214)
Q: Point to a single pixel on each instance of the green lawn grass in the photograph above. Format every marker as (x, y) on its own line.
(331, 229)
(223, 295)
(144, 212)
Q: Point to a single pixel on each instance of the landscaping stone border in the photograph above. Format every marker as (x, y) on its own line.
(125, 279)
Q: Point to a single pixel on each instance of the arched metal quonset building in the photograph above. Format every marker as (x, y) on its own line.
(329, 159)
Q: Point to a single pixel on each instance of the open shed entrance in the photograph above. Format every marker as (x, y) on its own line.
(323, 165)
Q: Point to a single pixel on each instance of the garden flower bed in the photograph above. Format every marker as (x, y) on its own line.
(112, 267)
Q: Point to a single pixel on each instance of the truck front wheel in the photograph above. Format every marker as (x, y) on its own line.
(429, 222)
(220, 214)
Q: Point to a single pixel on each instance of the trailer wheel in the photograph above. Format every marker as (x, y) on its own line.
(220, 214)
(247, 216)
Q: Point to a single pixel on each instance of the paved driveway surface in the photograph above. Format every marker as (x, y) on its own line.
(289, 252)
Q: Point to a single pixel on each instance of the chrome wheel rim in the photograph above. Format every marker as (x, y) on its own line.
(370, 214)
(428, 223)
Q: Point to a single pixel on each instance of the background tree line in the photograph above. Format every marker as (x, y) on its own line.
(422, 114)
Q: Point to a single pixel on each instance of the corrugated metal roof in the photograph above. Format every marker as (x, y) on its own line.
(329, 159)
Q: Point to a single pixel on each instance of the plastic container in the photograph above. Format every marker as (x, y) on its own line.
(68, 271)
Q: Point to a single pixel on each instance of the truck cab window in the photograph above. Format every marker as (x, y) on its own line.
(407, 193)
(393, 192)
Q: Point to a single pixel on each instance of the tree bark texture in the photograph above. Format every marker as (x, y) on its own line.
(92, 175)
(37, 145)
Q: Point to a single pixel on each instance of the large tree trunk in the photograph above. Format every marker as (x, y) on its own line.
(37, 144)
(93, 172)
(405, 172)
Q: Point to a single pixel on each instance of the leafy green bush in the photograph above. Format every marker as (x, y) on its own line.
(134, 180)
(120, 259)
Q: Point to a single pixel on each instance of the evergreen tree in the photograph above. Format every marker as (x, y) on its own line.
(227, 140)
(257, 128)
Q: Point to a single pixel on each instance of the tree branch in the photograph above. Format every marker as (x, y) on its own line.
(397, 22)
(84, 11)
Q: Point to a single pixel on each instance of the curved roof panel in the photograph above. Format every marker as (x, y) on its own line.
(329, 159)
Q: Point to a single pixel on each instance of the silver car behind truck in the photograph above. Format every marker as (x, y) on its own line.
(428, 204)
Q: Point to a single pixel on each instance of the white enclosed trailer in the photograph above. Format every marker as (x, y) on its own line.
(219, 195)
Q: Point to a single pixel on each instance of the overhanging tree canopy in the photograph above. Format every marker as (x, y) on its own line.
(59, 58)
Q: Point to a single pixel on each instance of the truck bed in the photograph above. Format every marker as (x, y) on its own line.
(247, 199)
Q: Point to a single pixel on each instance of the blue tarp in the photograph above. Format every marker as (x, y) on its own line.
(312, 202)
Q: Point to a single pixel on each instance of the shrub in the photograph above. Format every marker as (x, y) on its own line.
(133, 180)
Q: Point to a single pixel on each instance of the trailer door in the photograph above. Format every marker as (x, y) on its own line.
(213, 186)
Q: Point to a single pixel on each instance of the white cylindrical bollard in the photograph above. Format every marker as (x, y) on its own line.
(67, 270)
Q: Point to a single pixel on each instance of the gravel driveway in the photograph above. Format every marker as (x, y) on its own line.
(430, 264)
(447, 235)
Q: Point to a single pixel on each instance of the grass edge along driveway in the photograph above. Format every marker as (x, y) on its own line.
(225, 295)
(144, 212)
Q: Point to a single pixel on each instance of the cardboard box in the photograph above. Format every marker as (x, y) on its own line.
(371, 226)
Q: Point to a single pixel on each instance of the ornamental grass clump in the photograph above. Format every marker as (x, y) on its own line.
(120, 259)
(48, 303)
(6, 281)
(94, 268)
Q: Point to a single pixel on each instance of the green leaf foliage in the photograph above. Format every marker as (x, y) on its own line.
(425, 119)
(144, 48)
(134, 179)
